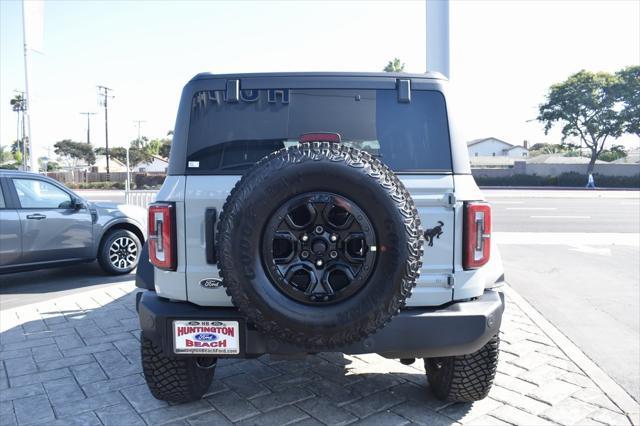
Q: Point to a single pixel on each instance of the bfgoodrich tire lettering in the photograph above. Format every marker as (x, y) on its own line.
(328, 168)
(173, 379)
(464, 378)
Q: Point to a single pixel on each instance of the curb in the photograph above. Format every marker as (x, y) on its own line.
(614, 391)
(560, 188)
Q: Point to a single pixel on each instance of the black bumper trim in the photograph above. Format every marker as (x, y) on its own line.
(456, 329)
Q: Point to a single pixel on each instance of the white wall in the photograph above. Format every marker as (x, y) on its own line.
(518, 152)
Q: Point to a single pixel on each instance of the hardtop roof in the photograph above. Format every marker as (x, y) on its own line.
(363, 75)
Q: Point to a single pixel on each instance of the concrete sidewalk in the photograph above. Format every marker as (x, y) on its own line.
(75, 360)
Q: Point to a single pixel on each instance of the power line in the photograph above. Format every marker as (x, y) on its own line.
(139, 125)
(103, 92)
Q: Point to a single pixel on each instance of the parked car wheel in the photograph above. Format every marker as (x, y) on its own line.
(175, 379)
(464, 378)
(119, 252)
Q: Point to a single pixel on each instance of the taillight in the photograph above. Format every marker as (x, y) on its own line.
(162, 236)
(477, 234)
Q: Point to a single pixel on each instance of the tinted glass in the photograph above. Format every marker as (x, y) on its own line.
(2, 203)
(41, 195)
(229, 137)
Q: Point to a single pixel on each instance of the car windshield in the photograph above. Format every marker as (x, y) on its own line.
(229, 137)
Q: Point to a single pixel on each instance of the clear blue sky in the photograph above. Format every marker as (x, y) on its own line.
(504, 55)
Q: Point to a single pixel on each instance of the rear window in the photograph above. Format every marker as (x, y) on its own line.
(229, 137)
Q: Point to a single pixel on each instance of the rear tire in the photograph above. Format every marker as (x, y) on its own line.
(119, 252)
(174, 379)
(464, 378)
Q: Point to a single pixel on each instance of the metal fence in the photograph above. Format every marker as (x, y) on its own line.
(140, 198)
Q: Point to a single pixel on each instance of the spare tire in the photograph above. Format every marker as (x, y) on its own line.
(319, 245)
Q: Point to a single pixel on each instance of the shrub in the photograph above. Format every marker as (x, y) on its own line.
(96, 185)
(570, 179)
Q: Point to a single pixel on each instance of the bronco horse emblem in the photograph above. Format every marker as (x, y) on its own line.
(436, 231)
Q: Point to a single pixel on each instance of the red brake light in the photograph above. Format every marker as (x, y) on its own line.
(320, 137)
(162, 236)
(477, 234)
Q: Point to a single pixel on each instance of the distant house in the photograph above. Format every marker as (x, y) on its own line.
(494, 147)
(100, 166)
(156, 165)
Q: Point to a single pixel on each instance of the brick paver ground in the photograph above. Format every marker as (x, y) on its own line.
(75, 360)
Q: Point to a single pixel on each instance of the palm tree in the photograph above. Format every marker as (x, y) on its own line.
(394, 66)
(19, 105)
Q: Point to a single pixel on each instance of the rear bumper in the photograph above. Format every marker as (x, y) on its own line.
(456, 329)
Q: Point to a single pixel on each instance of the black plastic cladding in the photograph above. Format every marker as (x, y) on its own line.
(207, 81)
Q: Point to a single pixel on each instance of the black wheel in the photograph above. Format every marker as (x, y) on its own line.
(464, 378)
(319, 245)
(119, 252)
(175, 379)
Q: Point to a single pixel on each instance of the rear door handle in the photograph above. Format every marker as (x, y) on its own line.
(36, 216)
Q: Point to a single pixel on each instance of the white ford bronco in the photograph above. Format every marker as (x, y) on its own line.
(319, 212)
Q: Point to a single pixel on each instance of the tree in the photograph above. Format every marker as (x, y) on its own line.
(136, 155)
(394, 66)
(5, 154)
(16, 150)
(627, 92)
(613, 153)
(73, 152)
(584, 105)
(165, 149)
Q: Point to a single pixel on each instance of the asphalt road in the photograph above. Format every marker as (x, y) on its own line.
(574, 255)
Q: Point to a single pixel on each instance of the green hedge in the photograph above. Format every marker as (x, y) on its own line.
(96, 185)
(565, 179)
(148, 181)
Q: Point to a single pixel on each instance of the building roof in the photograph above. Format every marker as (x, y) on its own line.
(477, 141)
(559, 159)
(633, 157)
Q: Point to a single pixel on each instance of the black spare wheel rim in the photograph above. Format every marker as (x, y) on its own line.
(311, 203)
(319, 248)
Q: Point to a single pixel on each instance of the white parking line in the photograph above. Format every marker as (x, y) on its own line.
(568, 238)
(560, 217)
(531, 208)
(507, 202)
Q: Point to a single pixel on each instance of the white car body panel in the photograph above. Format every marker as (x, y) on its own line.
(442, 278)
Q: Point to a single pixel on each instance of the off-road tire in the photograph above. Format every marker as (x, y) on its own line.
(319, 167)
(464, 378)
(103, 251)
(173, 379)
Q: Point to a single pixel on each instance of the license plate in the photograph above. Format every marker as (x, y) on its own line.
(206, 337)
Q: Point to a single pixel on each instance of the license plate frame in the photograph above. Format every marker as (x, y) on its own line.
(206, 337)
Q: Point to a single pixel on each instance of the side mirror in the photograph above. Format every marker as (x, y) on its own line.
(77, 204)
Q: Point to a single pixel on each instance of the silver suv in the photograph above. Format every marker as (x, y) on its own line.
(315, 212)
(44, 224)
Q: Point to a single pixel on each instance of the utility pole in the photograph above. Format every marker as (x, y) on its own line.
(88, 114)
(139, 125)
(25, 112)
(103, 92)
(438, 36)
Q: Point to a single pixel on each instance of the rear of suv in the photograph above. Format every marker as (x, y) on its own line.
(319, 212)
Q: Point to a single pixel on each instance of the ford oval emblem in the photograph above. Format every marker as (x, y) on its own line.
(205, 337)
(211, 283)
